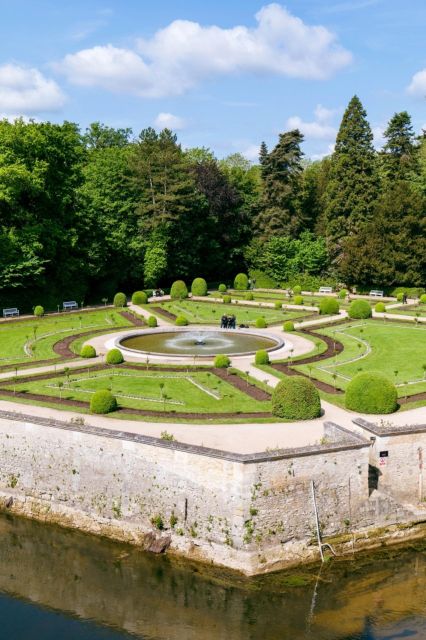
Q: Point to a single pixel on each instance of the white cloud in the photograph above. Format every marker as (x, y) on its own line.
(169, 121)
(320, 128)
(27, 91)
(378, 136)
(319, 156)
(417, 86)
(252, 152)
(185, 53)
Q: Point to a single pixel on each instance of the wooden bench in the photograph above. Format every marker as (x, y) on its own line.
(376, 294)
(326, 290)
(71, 304)
(10, 313)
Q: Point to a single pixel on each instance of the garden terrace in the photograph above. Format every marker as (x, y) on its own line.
(415, 310)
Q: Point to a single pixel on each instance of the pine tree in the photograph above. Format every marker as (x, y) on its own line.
(400, 153)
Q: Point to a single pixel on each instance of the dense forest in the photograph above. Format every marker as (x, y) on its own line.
(83, 215)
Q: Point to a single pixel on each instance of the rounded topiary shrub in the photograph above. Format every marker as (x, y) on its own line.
(399, 296)
(222, 288)
(288, 326)
(222, 362)
(120, 300)
(88, 351)
(261, 357)
(261, 323)
(298, 300)
(199, 287)
(114, 356)
(241, 281)
(380, 307)
(249, 296)
(278, 305)
(296, 398)
(139, 297)
(423, 298)
(181, 321)
(371, 392)
(359, 310)
(152, 322)
(39, 311)
(329, 306)
(179, 290)
(227, 299)
(103, 401)
(297, 290)
(342, 293)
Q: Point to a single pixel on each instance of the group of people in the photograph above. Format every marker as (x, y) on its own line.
(228, 322)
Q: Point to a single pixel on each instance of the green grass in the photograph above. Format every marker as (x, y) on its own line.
(29, 341)
(410, 310)
(279, 296)
(193, 392)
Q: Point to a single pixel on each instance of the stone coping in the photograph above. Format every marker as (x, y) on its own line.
(385, 429)
(350, 440)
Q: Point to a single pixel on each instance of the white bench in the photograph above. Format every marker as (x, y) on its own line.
(376, 293)
(10, 313)
(71, 304)
(326, 290)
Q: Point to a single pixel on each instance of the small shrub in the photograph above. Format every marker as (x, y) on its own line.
(199, 287)
(152, 322)
(181, 321)
(278, 305)
(380, 307)
(39, 311)
(165, 435)
(297, 290)
(139, 297)
(227, 299)
(222, 288)
(179, 290)
(103, 401)
(399, 296)
(329, 306)
(296, 398)
(360, 310)
(249, 296)
(241, 282)
(120, 300)
(221, 361)
(423, 298)
(298, 300)
(342, 293)
(261, 357)
(114, 356)
(157, 522)
(88, 351)
(261, 323)
(288, 326)
(371, 392)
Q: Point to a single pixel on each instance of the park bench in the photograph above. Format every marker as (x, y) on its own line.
(376, 293)
(326, 290)
(71, 304)
(9, 313)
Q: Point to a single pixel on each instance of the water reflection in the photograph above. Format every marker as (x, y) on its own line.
(83, 582)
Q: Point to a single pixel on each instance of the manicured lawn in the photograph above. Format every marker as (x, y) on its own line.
(278, 296)
(194, 392)
(410, 310)
(28, 341)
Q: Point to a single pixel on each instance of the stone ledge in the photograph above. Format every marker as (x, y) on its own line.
(389, 430)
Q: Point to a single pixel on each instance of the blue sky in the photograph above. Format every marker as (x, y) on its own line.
(225, 75)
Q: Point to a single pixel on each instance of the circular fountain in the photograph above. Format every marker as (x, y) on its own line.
(200, 342)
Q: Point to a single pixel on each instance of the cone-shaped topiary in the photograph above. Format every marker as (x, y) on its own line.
(298, 300)
(221, 361)
(261, 357)
(296, 398)
(88, 351)
(139, 297)
(120, 300)
(360, 310)
(103, 401)
(261, 323)
(329, 306)
(371, 392)
(241, 282)
(181, 321)
(199, 287)
(297, 290)
(152, 322)
(179, 290)
(114, 356)
(39, 311)
(222, 288)
(380, 307)
(343, 293)
(288, 326)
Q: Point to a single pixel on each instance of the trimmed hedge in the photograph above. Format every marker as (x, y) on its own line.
(103, 401)
(278, 305)
(288, 326)
(222, 288)
(360, 310)
(179, 290)
(298, 300)
(371, 392)
(342, 293)
(261, 323)
(114, 356)
(152, 322)
(297, 290)
(423, 298)
(139, 297)
(399, 296)
(261, 357)
(199, 287)
(222, 362)
(296, 398)
(249, 296)
(227, 299)
(39, 311)
(88, 351)
(241, 282)
(329, 306)
(181, 321)
(380, 307)
(120, 300)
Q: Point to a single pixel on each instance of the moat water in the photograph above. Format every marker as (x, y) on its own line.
(56, 584)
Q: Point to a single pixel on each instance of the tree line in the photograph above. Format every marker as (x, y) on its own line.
(84, 214)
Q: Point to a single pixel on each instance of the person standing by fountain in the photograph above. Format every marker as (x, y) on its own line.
(223, 322)
(232, 322)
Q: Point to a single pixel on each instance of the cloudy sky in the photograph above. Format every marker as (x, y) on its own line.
(225, 75)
